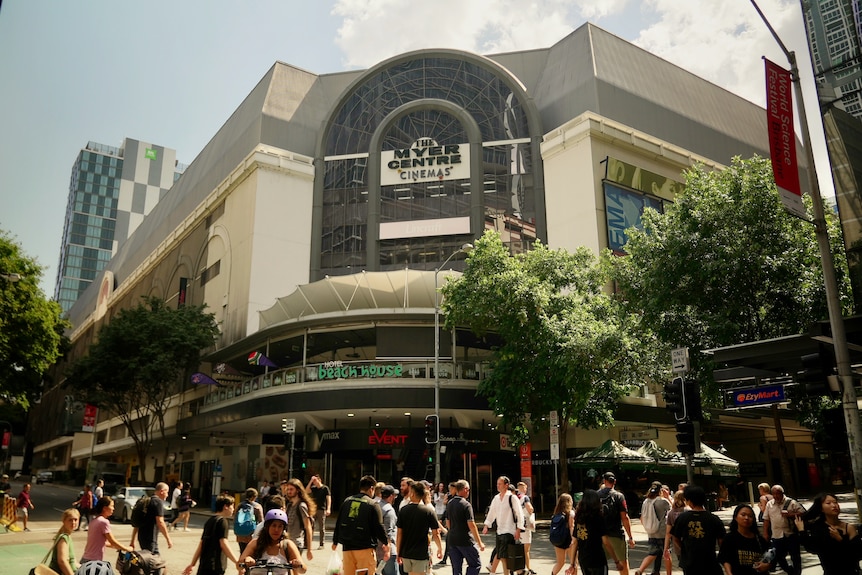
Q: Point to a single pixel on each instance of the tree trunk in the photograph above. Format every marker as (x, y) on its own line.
(787, 480)
(564, 466)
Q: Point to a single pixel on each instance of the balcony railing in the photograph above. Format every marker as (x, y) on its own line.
(347, 371)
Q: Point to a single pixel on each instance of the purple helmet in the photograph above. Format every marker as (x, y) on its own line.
(277, 514)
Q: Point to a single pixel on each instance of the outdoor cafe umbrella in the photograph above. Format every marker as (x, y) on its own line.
(613, 454)
(717, 461)
(662, 457)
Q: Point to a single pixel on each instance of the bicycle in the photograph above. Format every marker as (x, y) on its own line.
(260, 564)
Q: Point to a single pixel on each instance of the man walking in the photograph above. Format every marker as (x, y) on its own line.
(506, 510)
(415, 521)
(697, 534)
(390, 526)
(323, 499)
(779, 516)
(616, 519)
(359, 529)
(300, 510)
(463, 540)
(147, 533)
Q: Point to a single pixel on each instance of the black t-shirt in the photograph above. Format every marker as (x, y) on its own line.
(613, 503)
(148, 532)
(459, 512)
(415, 521)
(319, 494)
(698, 531)
(215, 529)
(589, 534)
(742, 552)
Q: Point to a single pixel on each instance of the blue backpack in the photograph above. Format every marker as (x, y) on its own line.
(560, 535)
(245, 521)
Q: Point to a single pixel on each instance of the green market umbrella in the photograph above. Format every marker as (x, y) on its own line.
(613, 454)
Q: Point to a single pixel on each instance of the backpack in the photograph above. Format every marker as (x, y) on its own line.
(611, 512)
(649, 519)
(245, 522)
(791, 524)
(140, 562)
(139, 511)
(560, 535)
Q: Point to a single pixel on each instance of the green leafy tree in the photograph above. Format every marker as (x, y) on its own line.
(726, 264)
(31, 326)
(566, 346)
(139, 362)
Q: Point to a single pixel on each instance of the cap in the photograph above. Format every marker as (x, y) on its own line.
(609, 476)
(387, 490)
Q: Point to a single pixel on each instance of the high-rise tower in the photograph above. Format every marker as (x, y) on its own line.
(110, 192)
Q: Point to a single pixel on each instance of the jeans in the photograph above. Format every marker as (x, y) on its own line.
(785, 545)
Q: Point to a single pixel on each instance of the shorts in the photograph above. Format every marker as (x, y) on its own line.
(526, 537)
(656, 547)
(618, 544)
(502, 544)
(23, 512)
(414, 565)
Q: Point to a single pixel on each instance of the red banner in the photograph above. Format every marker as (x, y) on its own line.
(90, 412)
(782, 139)
(7, 439)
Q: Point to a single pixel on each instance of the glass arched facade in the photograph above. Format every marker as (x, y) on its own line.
(425, 219)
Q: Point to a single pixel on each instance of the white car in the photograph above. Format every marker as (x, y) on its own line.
(44, 477)
(125, 499)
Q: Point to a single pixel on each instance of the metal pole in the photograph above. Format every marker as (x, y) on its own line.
(463, 249)
(836, 318)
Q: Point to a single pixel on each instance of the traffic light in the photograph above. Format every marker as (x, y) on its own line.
(674, 397)
(432, 429)
(691, 400)
(817, 369)
(688, 437)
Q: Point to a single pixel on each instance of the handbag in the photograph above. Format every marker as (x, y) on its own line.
(42, 568)
(515, 556)
(335, 566)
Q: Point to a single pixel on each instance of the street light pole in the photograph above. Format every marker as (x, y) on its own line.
(836, 318)
(463, 249)
(11, 277)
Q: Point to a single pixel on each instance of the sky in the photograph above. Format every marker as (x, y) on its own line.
(171, 73)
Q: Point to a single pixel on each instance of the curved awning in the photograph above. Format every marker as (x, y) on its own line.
(400, 289)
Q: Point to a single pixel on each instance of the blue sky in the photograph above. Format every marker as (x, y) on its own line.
(171, 73)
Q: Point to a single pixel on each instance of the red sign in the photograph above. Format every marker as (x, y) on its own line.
(385, 438)
(782, 139)
(90, 412)
(7, 439)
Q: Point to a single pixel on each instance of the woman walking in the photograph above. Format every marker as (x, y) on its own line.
(743, 548)
(590, 541)
(562, 523)
(676, 509)
(62, 554)
(835, 542)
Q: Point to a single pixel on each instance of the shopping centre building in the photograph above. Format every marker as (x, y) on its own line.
(312, 224)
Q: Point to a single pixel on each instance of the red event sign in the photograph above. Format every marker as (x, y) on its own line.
(782, 139)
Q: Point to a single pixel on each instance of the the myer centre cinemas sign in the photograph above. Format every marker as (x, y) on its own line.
(425, 161)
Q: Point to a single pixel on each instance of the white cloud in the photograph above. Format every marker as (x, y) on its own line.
(723, 41)
(374, 30)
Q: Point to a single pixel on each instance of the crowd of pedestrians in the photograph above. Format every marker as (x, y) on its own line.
(407, 530)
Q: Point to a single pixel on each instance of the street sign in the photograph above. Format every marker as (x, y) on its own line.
(679, 360)
(289, 426)
(555, 419)
(555, 451)
(755, 396)
(555, 435)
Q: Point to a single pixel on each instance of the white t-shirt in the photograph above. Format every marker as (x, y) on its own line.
(175, 496)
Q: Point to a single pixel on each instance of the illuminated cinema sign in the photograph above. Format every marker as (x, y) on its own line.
(756, 396)
(424, 161)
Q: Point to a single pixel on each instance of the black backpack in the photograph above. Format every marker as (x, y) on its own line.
(139, 511)
(560, 535)
(611, 512)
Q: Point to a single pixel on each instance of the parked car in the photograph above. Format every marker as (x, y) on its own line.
(44, 477)
(125, 499)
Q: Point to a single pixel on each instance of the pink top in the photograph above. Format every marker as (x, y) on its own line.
(96, 539)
